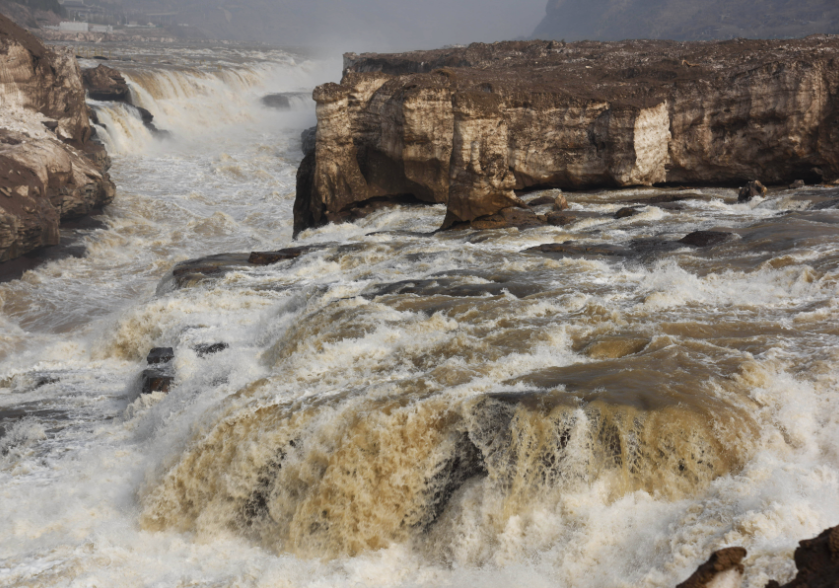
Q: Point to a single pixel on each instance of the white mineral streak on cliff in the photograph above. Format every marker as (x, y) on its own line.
(652, 147)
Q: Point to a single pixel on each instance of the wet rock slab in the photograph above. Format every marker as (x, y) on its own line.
(160, 377)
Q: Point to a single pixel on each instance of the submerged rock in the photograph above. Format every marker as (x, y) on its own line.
(160, 377)
(706, 238)
(272, 257)
(210, 349)
(467, 127)
(278, 101)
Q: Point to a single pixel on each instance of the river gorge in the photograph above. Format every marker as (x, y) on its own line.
(602, 391)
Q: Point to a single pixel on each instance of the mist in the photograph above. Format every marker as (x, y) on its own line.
(353, 25)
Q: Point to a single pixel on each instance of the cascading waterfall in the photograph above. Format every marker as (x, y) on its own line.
(395, 407)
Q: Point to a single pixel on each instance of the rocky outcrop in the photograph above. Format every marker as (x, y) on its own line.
(817, 561)
(50, 171)
(105, 83)
(470, 127)
(722, 569)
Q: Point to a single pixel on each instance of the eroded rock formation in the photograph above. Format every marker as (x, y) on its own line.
(471, 126)
(49, 169)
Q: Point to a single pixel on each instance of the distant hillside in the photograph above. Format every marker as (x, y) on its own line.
(611, 20)
(33, 13)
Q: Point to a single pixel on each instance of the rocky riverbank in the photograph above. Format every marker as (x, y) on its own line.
(473, 127)
(50, 170)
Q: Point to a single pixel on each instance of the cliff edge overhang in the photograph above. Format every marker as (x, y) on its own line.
(469, 127)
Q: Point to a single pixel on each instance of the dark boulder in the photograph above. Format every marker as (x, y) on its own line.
(272, 257)
(308, 139)
(156, 380)
(750, 190)
(723, 562)
(626, 212)
(278, 101)
(160, 355)
(797, 185)
(817, 561)
(706, 238)
(210, 349)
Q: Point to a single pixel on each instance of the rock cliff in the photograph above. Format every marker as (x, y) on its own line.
(469, 127)
(49, 169)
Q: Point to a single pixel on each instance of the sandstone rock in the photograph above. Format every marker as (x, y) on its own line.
(106, 84)
(722, 570)
(817, 561)
(797, 185)
(559, 219)
(560, 202)
(45, 177)
(541, 200)
(468, 126)
(750, 190)
(505, 218)
(43, 182)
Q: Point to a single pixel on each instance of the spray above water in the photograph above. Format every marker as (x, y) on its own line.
(393, 407)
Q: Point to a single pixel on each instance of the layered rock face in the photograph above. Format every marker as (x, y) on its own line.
(469, 127)
(49, 169)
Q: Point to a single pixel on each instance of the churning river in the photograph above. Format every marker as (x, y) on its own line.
(397, 407)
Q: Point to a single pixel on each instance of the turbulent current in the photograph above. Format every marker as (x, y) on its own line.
(399, 407)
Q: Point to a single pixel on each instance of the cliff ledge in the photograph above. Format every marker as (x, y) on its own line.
(468, 127)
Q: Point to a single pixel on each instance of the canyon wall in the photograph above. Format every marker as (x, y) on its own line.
(468, 127)
(50, 170)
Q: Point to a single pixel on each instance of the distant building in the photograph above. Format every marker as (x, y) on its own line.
(95, 28)
(73, 27)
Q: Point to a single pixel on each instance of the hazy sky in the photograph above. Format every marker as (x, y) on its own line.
(358, 24)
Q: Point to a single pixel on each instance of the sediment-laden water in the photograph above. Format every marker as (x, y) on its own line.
(397, 407)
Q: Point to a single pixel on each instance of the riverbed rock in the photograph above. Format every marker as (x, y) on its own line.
(160, 355)
(817, 561)
(751, 190)
(106, 84)
(50, 171)
(797, 185)
(706, 238)
(723, 569)
(467, 127)
(626, 212)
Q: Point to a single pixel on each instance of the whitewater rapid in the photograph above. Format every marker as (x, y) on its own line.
(397, 407)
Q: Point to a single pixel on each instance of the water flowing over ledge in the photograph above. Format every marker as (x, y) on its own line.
(390, 406)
